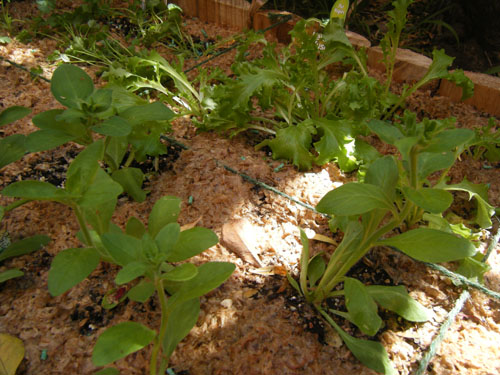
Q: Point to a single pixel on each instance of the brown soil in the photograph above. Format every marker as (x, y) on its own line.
(254, 323)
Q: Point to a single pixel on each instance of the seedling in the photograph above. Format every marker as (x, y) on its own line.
(149, 256)
(395, 193)
(127, 123)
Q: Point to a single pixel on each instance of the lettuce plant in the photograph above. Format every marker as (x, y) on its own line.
(152, 255)
(127, 123)
(318, 118)
(394, 193)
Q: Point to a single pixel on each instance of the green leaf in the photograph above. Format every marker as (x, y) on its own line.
(140, 114)
(14, 113)
(252, 82)
(430, 162)
(35, 190)
(24, 246)
(119, 341)
(167, 238)
(135, 227)
(123, 249)
(371, 353)
(101, 190)
(182, 272)
(431, 245)
(165, 211)
(292, 143)
(315, 269)
(115, 126)
(115, 151)
(430, 199)
(131, 181)
(69, 267)
(141, 292)
(385, 131)
(334, 137)
(353, 199)
(130, 271)
(210, 276)
(191, 242)
(13, 149)
(448, 140)
(182, 319)
(460, 79)
(82, 170)
(395, 298)
(70, 85)
(384, 173)
(479, 191)
(361, 307)
(473, 269)
(100, 100)
(10, 274)
(48, 139)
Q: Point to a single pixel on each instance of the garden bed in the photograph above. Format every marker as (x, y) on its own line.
(255, 322)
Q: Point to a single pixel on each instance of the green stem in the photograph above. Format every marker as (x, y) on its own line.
(156, 353)
(16, 204)
(83, 226)
(263, 129)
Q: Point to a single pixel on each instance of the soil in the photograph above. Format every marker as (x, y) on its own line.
(254, 323)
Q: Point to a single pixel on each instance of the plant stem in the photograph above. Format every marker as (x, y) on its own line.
(83, 225)
(16, 204)
(156, 353)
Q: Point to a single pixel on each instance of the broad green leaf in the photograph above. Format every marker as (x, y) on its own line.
(395, 298)
(115, 151)
(448, 140)
(479, 191)
(429, 162)
(36, 190)
(385, 131)
(353, 199)
(13, 149)
(131, 181)
(135, 227)
(130, 271)
(431, 245)
(99, 215)
(384, 173)
(167, 237)
(101, 100)
(165, 211)
(108, 371)
(119, 341)
(316, 269)
(101, 190)
(181, 320)
(69, 267)
(292, 143)
(182, 272)
(24, 246)
(115, 126)
(361, 307)
(191, 242)
(332, 141)
(138, 115)
(70, 85)
(430, 199)
(10, 274)
(11, 353)
(47, 139)
(371, 353)
(473, 269)
(123, 249)
(210, 276)
(141, 292)
(82, 170)
(12, 114)
(150, 250)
